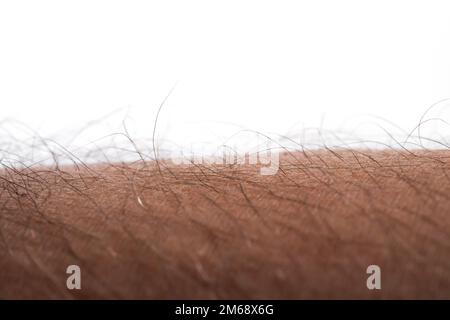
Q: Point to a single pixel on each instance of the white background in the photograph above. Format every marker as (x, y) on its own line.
(272, 66)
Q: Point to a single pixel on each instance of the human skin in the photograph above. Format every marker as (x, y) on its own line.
(164, 231)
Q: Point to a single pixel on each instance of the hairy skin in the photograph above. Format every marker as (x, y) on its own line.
(310, 231)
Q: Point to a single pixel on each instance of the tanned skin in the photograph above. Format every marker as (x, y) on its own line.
(164, 231)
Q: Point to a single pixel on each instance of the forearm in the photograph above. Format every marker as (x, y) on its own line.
(310, 231)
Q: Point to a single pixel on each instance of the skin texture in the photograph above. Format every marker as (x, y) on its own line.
(162, 231)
